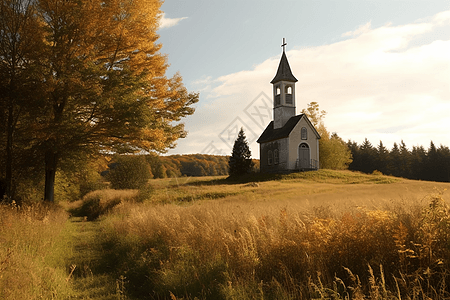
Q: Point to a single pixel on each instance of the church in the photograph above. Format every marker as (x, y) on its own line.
(290, 142)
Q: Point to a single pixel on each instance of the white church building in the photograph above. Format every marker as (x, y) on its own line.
(290, 142)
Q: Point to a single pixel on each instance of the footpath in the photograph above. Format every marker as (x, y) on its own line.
(88, 275)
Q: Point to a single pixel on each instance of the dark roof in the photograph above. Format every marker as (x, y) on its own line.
(271, 134)
(284, 71)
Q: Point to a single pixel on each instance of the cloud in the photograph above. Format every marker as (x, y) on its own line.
(361, 29)
(378, 84)
(168, 22)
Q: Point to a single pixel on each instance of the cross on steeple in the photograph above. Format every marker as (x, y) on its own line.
(284, 44)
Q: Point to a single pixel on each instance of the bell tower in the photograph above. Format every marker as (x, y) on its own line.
(283, 92)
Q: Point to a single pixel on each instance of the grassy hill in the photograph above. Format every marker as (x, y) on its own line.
(313, 235)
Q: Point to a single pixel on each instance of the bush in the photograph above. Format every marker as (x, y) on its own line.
(98, 203)
(129, 172)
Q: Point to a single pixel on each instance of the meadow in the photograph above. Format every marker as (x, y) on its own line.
(313, 235)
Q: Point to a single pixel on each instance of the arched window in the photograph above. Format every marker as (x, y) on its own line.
(275, 157)
(277, 95)
(304, 133)
(270, 157)
(288, 92)
(288, 89)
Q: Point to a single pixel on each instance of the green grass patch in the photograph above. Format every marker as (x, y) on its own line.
(340, 177)
(90, 278)
(319, 176)
(204, 196)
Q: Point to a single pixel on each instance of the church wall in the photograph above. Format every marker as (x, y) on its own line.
(295, 139)
(280, 165)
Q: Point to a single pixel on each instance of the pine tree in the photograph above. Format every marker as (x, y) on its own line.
(368, 157)
(240, 162)
(382, 158)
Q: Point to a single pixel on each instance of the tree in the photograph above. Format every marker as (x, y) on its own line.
(382, 158)
(240, 162)
(405, 161)
(333, 151)
(418, 164)
(314, 114)
(354, 149)
(433, 164)
(368, 157)
(394, 166)
(20, 45)
(103, 82)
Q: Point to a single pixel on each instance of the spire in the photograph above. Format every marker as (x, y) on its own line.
(284, 70)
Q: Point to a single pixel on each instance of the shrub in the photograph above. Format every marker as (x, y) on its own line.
(98, 203)
(129, 172)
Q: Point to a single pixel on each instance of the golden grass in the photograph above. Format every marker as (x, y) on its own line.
(32, 253)
(313, 235)
(287, 239)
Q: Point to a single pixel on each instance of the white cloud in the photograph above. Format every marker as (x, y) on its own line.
(168, 22)
(361, 29)
(377, 84)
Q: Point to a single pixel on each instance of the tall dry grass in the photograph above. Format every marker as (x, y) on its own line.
(218, 250)
(32, 252)
(97, 203)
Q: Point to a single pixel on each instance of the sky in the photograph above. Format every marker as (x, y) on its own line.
(379, 68)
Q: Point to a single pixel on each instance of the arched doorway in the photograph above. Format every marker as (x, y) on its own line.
(304, 156)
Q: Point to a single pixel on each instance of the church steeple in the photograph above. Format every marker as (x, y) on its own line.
(284, 70)
(283, 92)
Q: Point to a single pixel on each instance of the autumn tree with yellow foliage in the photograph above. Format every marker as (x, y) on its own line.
(102, 85)
(333, 151)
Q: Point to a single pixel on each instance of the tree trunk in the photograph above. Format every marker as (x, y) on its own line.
(9, 151)
(51, 159)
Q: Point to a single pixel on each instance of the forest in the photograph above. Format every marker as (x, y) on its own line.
(188, 165)
(179, 165)
(432, 164)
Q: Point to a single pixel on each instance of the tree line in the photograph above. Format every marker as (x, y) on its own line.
(432, 164)
(133, 171)
(189, 165)
(79, 79)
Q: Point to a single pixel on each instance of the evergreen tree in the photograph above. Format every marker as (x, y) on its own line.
(405, 161)
(368, 157)
(357, 162)
(394, 167)
(444, 164)
(382, 158)
(418, 162)
(240, 162)
(433, 165)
